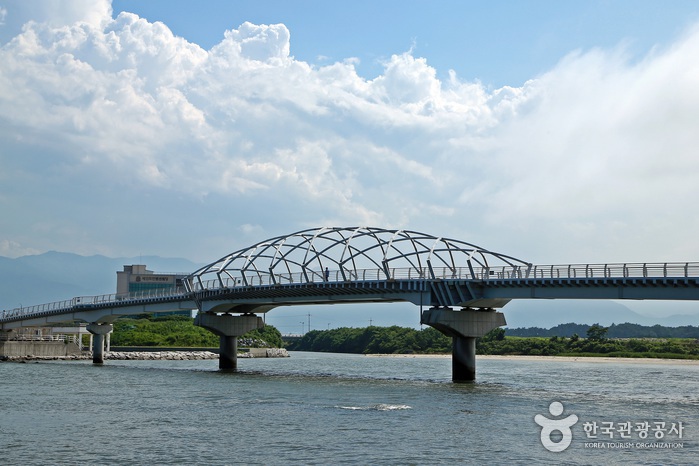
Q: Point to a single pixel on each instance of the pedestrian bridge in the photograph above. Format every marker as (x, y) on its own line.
(458, 284)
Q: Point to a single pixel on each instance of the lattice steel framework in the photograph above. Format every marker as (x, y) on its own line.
(310, 256)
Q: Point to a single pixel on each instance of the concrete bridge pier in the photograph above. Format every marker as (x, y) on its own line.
(464, 327)
(228, 328)
(98, 332)
(463, 359)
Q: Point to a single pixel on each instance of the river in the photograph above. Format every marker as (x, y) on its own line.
(316, 408)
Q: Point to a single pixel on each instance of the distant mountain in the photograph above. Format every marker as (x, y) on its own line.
(549, 313)
(613, 331)
(54, 276)
(680, 320)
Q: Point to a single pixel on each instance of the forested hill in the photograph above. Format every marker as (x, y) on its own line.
(626, 330)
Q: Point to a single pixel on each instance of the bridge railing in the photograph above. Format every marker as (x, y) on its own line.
(619, 270)
(122, 298)
(569, 271)
(67, 338)
(39, 308)
(334, 276)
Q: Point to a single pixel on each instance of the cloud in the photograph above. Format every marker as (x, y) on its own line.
(13, 249)
(264, 43)
(604, 150)
(119, 137)
(56, 13)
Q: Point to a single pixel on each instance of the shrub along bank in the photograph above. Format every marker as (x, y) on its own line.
(401, 340)
(676, 348)
(180, 331)
(374, 340)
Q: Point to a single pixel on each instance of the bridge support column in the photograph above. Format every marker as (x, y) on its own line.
(228, 328)
(464, 327)
(228, 352)
(463, 359)
(98, 332)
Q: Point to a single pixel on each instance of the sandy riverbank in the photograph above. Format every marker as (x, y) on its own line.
(682, 362)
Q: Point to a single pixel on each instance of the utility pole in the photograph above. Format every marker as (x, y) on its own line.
(309, 321)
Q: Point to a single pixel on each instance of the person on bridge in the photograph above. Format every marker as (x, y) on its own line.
(327, 274)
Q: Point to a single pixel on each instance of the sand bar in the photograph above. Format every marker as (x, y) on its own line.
(683, 362)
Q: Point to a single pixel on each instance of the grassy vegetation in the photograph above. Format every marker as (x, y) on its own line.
(374, 340)
(626, 330)
(401, 340)
(596, 344)
(180, 331)
(554, 346)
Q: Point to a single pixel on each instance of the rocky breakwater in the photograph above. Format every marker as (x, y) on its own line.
(194, 355)
(155, 355)
(31, 357)
(264, 353)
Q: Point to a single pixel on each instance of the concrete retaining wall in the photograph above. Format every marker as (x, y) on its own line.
(38, 348)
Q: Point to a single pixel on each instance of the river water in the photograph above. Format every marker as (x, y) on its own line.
(315, 408)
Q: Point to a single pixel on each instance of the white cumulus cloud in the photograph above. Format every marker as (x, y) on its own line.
(119, 137)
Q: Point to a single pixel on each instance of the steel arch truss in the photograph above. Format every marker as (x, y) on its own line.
(350, 254)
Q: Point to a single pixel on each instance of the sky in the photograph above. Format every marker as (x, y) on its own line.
(554, 132)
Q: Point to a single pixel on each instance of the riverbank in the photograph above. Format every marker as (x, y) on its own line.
(590, 359)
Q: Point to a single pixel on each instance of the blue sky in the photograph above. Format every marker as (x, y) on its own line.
(498, 43)
(555, 132)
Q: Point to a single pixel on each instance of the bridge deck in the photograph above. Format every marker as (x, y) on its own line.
(466, 287)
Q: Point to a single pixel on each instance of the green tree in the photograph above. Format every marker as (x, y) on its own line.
(178, 331)
(497, 334)
(597, 333)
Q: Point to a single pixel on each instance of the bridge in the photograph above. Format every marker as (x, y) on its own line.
(459, 286)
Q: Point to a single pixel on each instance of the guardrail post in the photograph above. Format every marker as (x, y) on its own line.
(429, 266)
(470, 269)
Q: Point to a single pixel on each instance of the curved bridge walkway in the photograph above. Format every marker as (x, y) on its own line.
(460, 285)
